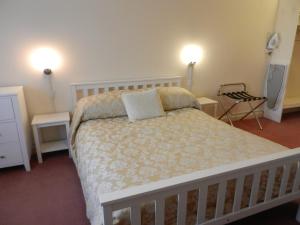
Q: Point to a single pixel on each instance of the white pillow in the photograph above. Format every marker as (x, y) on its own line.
(142, 105)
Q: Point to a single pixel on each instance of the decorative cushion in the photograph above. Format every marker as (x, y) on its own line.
(176, 98)
(102, 106)
(142, 105)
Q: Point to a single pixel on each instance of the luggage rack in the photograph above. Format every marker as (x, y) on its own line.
(239, 96)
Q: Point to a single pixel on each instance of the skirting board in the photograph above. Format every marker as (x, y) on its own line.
(291, 110)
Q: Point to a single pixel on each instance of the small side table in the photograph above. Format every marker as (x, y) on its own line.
(50, 120)
(209, 102)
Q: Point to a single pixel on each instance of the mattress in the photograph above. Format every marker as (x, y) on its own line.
(114, 154)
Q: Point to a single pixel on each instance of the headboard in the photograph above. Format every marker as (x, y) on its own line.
(80, 90)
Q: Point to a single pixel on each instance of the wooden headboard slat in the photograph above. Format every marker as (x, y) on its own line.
(94, 88)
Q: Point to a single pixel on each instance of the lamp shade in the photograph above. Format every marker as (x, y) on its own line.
(45, 59)
(191, 54)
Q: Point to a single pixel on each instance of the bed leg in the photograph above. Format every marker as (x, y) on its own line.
(298, 214)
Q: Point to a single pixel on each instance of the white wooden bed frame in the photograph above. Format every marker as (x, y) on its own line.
(158, 191)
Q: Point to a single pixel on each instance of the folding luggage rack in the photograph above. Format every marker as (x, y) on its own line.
(240, 95)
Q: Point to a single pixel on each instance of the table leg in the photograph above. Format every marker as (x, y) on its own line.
(37, 144)
(68, 138)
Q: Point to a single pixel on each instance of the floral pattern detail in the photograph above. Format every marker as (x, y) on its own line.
(110, 104)
(106, 105)
(113, 154)
(177, 98)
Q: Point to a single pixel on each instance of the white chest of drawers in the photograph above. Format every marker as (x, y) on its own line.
(15, 144)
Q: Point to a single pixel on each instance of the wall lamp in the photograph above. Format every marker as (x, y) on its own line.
(46, 60)
(190, 55)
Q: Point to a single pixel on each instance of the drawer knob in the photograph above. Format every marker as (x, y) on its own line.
(2, 157)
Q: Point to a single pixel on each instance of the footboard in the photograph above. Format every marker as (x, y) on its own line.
(286, 162)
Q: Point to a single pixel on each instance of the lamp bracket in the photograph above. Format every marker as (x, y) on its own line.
(47, 71)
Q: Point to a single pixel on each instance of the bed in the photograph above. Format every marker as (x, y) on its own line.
(183, 168)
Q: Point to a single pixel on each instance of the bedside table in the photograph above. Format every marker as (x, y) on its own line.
(50, 120)
(209, 102)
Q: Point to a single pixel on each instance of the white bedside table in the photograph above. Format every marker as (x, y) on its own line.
(50, 120)
(209, 102)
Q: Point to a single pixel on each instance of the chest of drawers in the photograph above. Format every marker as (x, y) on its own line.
(15, 144)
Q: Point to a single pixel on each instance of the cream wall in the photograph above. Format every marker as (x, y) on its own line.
(293, 89)
(286, 25)
(110, 40)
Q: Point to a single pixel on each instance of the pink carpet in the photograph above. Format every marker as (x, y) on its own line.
(51, 193)
(286, 133)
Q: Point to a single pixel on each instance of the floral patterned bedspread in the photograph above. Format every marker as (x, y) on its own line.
(113, 154)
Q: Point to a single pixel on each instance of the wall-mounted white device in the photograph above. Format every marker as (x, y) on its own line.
(273, 42)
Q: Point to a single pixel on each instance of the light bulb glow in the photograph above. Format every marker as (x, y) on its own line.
(45, 58)
(191, 54)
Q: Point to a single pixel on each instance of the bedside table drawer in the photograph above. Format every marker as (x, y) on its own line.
(8, 132)
(10, 153)
(6, 112)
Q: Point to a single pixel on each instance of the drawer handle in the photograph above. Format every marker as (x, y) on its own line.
(2, 157)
